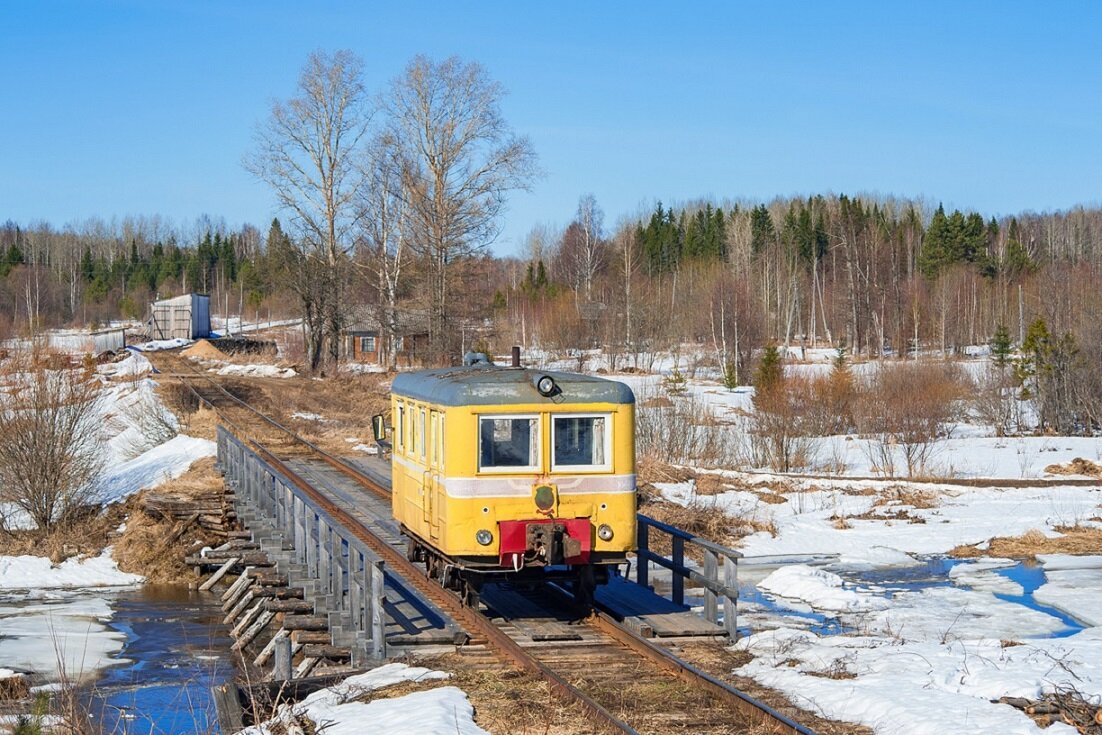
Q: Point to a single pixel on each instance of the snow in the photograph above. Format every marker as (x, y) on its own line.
(256, 371)
(923, 688)
(1072, 585)
(61, 634)
(161, 344)
(135, 364)
(38, 573)
(440, 711)
(962, 515)
(305, 416)
(161, 463)
(820, 589)
(366, 449)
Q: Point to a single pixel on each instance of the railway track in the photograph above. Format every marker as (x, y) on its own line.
(623, 682)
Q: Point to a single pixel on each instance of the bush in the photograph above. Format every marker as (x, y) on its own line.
(51, 454)
(910, 405)
(678, 429)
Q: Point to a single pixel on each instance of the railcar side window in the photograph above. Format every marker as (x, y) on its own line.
(580, 441)
(421, 436)
(512, 442)
(401, 427)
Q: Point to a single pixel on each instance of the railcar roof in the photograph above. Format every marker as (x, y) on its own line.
(496, 385)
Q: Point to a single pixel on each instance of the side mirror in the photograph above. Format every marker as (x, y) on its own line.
(378, 428)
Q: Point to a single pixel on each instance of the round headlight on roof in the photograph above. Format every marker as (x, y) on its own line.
(545, 384)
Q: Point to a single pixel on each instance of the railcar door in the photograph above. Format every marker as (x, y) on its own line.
(434, 487)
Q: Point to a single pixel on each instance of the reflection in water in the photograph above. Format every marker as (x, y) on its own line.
(177, 649)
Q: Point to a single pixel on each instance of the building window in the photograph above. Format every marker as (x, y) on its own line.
(508, 442)
(399, 344)
(367, 344)
(580, 442)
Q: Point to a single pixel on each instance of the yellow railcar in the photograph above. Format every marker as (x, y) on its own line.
(510, 473)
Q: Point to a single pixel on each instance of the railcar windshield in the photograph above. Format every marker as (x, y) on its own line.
(580, 441)
(508, 442)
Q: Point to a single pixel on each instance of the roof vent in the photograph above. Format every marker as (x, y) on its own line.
(476, 358)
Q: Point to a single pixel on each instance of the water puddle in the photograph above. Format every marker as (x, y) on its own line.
(889, 582)
(1031, 577)
(177, 649)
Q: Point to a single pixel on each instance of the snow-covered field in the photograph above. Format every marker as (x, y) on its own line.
(880, 627)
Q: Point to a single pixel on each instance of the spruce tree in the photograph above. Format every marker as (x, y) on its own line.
(1000, 345)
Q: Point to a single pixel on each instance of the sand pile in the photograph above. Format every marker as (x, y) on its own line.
(204, 350)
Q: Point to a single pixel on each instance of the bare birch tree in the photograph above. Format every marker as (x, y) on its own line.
(459, 159)
(306, 151)
(385, 229)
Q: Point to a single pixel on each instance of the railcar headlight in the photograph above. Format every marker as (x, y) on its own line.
(484, 537)
(546, 386)
(604, 532)
(545, 497)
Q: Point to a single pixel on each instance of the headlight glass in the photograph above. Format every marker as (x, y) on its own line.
(484, 537)
(604, 532)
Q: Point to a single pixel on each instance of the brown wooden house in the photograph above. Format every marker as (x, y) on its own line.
(366, 343)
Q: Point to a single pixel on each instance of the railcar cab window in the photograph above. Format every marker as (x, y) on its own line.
(580, 442)
(508, 443)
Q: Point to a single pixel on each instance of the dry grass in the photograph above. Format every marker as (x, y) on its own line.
(1077, 466)
(86, 535)
(14, 688)
(148, 546)
(910, 496)
(1080, 540)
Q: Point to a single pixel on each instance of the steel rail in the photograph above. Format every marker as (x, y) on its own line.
(335, 462)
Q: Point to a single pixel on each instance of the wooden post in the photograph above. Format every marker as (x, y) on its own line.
(282, 670)
(678, 591)
(711, 573)
(323, 555)
(642, 566)
(378, 615)
(730, 602)
(356, 588)
(312, 533)
(218, 574)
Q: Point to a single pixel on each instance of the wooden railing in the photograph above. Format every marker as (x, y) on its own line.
(719, 577)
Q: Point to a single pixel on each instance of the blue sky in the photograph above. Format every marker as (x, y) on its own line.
(147, 106)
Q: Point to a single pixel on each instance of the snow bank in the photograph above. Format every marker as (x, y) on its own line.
(161, 344)
(440, 711)
(820, 589)
(36, 572)
(256, 371)
(133, 365)
(161, 463)
(1072, 585)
